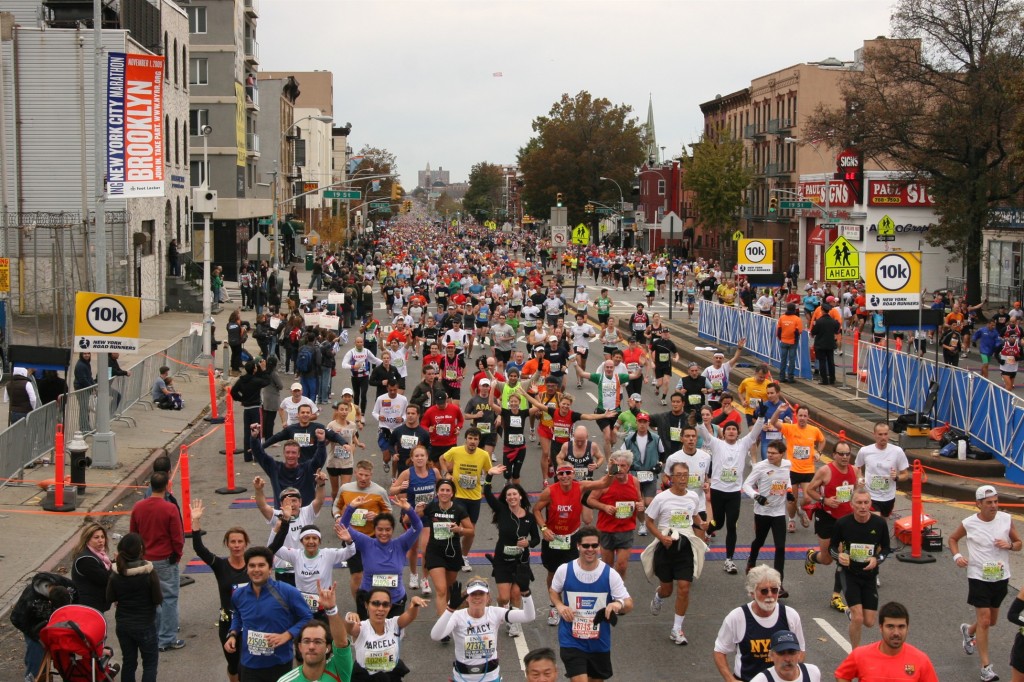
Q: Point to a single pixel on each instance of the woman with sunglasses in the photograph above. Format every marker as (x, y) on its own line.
(377, 639)
(475, 629)
(383, 558)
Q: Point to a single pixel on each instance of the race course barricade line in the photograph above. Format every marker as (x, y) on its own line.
(725, 324)
(40, 512)
(29, 481)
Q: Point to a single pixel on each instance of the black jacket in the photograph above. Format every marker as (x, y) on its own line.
(247, 390)
(137, 594)
(33, 610)
(90, 577)
(824, 332)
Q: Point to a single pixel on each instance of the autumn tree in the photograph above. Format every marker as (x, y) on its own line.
(719, 176)
(941, 100)
(580, 140)
(485, 193)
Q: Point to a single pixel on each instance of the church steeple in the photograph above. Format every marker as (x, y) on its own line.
(653, 157)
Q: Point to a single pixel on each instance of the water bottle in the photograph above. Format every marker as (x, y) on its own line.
(961, 450)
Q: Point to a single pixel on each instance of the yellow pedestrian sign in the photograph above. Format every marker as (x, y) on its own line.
(581, 235)
(842, 262)
(737, 235)
(886, 230)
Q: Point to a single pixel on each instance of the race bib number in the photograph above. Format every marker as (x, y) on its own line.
(679, 519)
(422, 498)
(779, 487)
(639, 326)
(258, 643)
(443, 429)
(645, 476)
(512, 550)
(312, 601)
(861, 552)
(633, 368)
(302, 439)
(693, 481)
(716, 385)
(844, 493)
(583, 627)
(561, 432)
(556, 366)
(561, 542)
(341, 453)
(729, 475)
(880, 482)
(993, 571)
(450, 374)
(480, 647)
(484, 427)
(772, 435)
(675, 433)
(399, 363)
(663, 357)
(379, 661)
(515, 421)
(695, 398)
(358, 518)
(624, 510)
(801, 452)
(388, 580)
(407, 442)
(468, 481)
(580, 473)
(516, 439)
(442, 530)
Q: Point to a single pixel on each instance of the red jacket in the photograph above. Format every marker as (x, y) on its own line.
(159, 524)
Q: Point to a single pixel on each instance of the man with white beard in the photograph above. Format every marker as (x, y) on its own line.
(747, 630)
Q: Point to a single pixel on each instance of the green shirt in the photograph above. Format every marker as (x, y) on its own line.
(609, 391)
(627, 422)
(604, 305)
(338, 669)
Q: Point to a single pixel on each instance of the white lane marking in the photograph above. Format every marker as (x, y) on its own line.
(834, 634)
(592, 397)
(522, 649)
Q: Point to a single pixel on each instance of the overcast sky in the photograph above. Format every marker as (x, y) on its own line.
(418, 77)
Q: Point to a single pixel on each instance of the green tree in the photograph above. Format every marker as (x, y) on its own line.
(719, 176)
(375, 162)
(485, 192)
(941, 100)
(579, 141)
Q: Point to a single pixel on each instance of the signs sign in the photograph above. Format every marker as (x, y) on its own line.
(898, 193)
(105, 323)
(559, 236)
(258, 247)
(850, 231)
(893, 280)
(581, 235)
(842, 262)
(839, 194)
(886, 230)
(135, 132)
(755, 257)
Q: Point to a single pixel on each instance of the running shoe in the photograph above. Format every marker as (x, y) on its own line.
(414, 582)
(533, 436)
(838, 604)
(466, 568)
(515, 629)
(552, 616)
(656, 605)
(729, 567)
(809, 561)
(387, 467)
(678, 636)
(425, 586)
(642, 530)
(970, 645)
(663, 400)
(988, 674)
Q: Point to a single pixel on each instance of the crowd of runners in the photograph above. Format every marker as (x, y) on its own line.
(507, 350)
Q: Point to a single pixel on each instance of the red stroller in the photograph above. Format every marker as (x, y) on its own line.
(74, 640)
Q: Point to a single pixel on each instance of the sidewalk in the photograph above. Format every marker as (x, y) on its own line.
(37, 540)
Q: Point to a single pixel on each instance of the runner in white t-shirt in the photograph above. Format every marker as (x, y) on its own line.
(883, 464)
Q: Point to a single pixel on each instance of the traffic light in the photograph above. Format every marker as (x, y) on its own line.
(773, 205)
(396, 192)
(558, 200)
(589, 208)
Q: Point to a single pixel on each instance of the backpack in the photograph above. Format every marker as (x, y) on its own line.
(304, 360)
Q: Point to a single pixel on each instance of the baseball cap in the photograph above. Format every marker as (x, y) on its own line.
(537, 349)
(477, 585)
(441, 395)
(636, 396)
(784, 640)
(830, 299)
(290, 492)
(552, 338)
(296, 386)
(347, 391)
(485, 382)
(985, 491)
(643, 417)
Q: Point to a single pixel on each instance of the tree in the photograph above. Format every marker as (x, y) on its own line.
(375, 162)
(485, 191)
(446, 205)
(719, 176)
(942, 101)
(579, 141)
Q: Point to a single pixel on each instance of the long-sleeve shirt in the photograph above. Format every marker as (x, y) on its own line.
(770, 481)
(383, 562)
(301, 476)
(277, 608)
(729, 461)
(159, 524)
(476, 639)
(510, 529)
(247, 390)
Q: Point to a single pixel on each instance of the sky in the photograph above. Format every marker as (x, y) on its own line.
(418, 77)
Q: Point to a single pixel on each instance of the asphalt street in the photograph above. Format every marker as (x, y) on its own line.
(935, 593)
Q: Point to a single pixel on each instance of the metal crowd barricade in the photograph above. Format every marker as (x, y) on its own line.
(728, 324)
(31, 439)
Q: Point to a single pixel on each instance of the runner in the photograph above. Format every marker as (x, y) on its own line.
(990, 536)
(444, 518)
(832, 489)
(785, 656)
(648, 450)
(768, 485)
(417, 482)
(718, 373)
(314, 641)
(609, 395)
(478, 409)
(389, 411)
(698, 462)
(882, 464)
(466, 466)
(376, 639)
(443, 421)
(890, 659)
(406, 436)
(663, 353)
(617, 512)
(373, 501)
(803, 450)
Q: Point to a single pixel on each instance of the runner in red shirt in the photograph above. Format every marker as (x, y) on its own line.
(892, 658)
(443, 421)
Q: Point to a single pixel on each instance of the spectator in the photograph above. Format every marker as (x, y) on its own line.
(51, 386)
(137, 590)
(21, 394)
(163, 396)
(45, 594)
(84, 379)
(90, 568)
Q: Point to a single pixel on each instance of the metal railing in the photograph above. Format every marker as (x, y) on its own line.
(252, 50)
(252, 143)
(995, 293)
(31, 439)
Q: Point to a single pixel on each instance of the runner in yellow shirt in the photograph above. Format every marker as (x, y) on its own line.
(753, 388)
(466, 466)
(803, 448)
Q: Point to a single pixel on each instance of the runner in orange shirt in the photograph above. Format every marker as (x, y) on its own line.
(890, 659)
(803, 448)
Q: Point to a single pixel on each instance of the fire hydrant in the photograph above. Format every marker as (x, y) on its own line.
(80, 461)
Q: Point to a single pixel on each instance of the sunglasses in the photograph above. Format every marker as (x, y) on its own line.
(386, 604)
(564, 473)
(768, 590)
(591, 545)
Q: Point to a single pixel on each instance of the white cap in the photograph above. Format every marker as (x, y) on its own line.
(985, 491)
(296, 386)
(347, 391)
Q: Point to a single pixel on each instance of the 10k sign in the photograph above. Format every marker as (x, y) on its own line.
(105, 323)
(893, 280)
(754, 257)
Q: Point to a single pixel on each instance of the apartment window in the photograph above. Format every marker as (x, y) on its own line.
(184, 65)
(173, 55)
(196, 19)
(197, 118)
(661, 188)
(195, 173)
(198, 71)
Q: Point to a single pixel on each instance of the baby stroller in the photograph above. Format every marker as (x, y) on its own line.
(75, 652)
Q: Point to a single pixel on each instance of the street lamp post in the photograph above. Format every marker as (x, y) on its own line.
(205, 133)
(622, 203)
(827, 202)
(284, 134)
(348, 204)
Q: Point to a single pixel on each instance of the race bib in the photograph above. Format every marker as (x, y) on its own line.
(358, 518)
(693, 481)
(663, 357)
(442, 530)
(484, 427)
(450, 374)
(633, 368)
(422, 498)
(880, 482)
(675, 433)
(645, 476)
(512, 550)
(398, 362)
(480, 647)
(344, 455)
(695, 399)
(844, 493)
(312, 601)
(729, 475)
(515, 421)
(583, 627)
(516, 439)
(716, 385)
(561, 542)
(303, 439)
(993, 571)
(779, 487)
(443, 429)
(468, 481)
(801, 452)
(580, 473)
(639, 326)
(389, 580)
(679, 519)
(408, 442)
(624, 510)
(555, 366)
(258, 644)
(379, 661)
(861, 552)
(772, 435)
(561, 432)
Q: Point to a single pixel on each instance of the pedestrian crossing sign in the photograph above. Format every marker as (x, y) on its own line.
(842, 261)
(581, 235)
